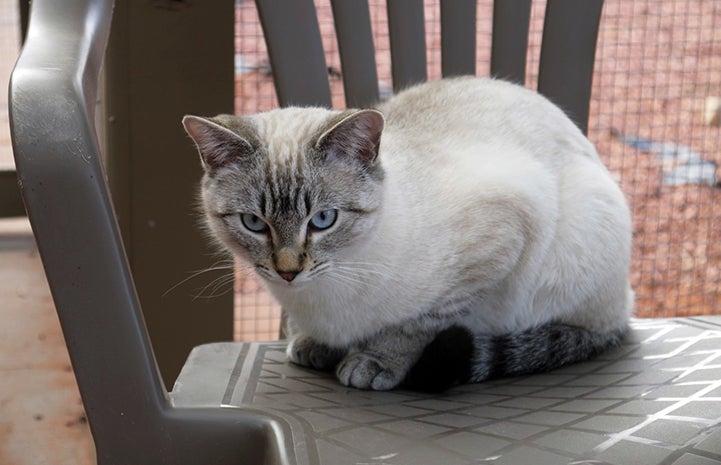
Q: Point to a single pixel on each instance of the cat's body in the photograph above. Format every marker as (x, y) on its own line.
(484, 216)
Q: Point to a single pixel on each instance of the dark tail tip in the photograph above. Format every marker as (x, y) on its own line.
(445, 362)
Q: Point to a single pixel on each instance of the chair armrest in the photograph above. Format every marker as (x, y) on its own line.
(52, 98)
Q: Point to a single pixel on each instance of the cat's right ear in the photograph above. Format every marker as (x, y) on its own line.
(216, 144)
(356, 135)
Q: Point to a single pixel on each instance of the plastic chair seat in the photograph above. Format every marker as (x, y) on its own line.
(656, 399)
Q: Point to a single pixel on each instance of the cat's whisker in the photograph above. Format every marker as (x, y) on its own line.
(365, 265)
(348, 276)
(222, 282)
(342, 281)
(220, 290)
(386, 274)
(215, 285)
(214, 267)
(214, 295)
(345, 272)
(370, 265)
(245, 271)
(350, 279)
(383, 274)
(318, 269)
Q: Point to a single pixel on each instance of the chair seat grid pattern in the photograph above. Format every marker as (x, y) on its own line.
(654, 400)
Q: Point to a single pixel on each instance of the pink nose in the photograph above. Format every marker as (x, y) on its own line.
(288, 275)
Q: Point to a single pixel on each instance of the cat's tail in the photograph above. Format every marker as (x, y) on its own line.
(457, 356)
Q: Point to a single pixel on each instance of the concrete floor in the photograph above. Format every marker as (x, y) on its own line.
(41, 415)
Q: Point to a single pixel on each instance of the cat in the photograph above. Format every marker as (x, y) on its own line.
(464, 229)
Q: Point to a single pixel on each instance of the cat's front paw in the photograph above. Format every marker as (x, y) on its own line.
(308, 352)
(365, 371)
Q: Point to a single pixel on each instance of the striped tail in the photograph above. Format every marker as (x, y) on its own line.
(457, 356)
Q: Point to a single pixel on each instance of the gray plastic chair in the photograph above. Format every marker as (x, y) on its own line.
(242, 403)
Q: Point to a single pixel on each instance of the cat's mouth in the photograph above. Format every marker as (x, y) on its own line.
(296, 278)
(288, 276)
(291, 279)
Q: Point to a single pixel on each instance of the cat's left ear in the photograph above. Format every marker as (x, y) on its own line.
(356, 135)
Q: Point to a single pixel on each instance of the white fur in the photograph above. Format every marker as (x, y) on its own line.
(494, 202)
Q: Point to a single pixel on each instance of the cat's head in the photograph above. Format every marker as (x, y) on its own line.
(290, 191)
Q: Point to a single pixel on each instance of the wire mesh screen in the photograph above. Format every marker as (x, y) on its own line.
(654, 119)
(9, 48)
(658, 65)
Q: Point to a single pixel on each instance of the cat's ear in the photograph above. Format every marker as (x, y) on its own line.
(216, 144)
(357, 135)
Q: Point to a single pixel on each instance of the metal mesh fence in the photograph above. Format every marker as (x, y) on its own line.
(657, 65)
(654, 119)
(9, 49)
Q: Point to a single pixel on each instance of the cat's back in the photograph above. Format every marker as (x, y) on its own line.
(471, 110)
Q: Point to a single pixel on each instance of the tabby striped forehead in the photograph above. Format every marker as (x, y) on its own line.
(287, 132)
(286, 136)
(288, 191)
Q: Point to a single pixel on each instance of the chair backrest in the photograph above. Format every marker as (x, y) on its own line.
(296, 53)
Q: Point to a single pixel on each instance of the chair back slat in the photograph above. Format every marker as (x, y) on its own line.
(407, 34)
(458, 37)
(295, 50)
(567, 55)
(357, 54)
(510, 39)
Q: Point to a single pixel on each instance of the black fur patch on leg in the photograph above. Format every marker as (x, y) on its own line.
(445, 362)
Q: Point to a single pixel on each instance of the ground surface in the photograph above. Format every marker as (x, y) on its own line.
(42, 420)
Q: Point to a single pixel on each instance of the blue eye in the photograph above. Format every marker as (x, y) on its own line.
(253, 223)
(324, 219)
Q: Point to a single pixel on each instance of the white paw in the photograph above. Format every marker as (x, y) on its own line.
(364, 371)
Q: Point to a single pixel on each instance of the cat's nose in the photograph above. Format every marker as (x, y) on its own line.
(288, 275)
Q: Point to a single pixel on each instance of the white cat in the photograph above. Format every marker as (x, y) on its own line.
(464, 229)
